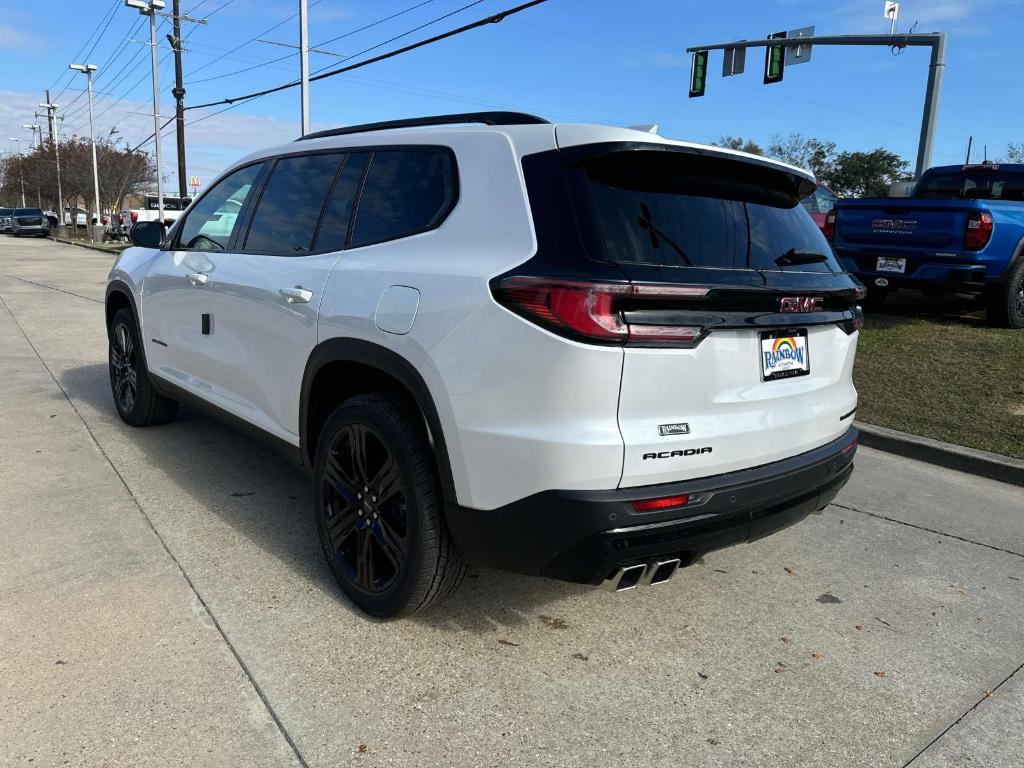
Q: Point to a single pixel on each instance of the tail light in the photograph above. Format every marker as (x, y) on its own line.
(593, 311)
(135, 216)
(103, 220)
(979, 230)
(120, 218)
(829, 227)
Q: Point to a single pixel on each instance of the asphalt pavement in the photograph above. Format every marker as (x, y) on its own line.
(163, 602)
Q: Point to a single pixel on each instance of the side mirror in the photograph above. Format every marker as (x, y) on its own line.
(148, 234)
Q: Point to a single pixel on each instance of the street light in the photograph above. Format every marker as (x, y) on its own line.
(21, 170)
(150, 8)
(87, 70)
(37, 134)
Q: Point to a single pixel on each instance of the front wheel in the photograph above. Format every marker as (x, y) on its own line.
(378, 510)
(1005, 301)
(137, 402)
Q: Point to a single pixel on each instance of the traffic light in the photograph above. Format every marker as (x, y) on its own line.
(698, 73)
(774, 60)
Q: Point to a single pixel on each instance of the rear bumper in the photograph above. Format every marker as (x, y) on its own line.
(582, 536)
(956, 275)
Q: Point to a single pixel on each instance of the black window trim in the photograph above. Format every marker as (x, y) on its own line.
(259, 186)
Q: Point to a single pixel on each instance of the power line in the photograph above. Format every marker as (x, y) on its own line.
(111, 12)
(492, 19)
(325, 42)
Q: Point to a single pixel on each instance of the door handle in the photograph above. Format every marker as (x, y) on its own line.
(197, 278)
(296, 295)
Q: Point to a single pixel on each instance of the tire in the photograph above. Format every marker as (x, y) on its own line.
(377, 506)
(876, 297)
(1004, 302)
(135, 398)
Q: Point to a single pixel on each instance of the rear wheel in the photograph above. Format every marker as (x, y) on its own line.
(138, 403)
(378, 510)
(1004, 303)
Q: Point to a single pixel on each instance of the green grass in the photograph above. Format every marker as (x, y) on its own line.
(933, 368)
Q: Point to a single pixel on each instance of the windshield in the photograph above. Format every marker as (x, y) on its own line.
(985, 183)
(669, 209)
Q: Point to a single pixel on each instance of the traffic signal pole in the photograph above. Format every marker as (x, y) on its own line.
(934, 40)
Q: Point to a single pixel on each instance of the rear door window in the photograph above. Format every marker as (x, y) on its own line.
(406, 191)
(669, 209)
(287, 215)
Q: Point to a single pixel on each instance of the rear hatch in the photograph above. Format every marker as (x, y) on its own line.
(889, 224)
(738, 324)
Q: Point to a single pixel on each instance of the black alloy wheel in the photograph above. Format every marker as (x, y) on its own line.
(378, 509)
(124, 368)
(365, 509)
(138, 403)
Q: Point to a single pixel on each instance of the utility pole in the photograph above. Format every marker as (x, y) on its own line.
(934, 40)
(51, 110)
(179, 97)
(304, 64)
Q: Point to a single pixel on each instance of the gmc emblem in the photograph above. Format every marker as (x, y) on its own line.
(801, 304)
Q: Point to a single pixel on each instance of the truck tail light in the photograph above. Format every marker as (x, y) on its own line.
(593, 311)
(829, 228)
(135, 216)
(103, 220)
(979, 230)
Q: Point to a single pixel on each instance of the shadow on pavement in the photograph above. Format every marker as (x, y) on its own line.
(258, 493)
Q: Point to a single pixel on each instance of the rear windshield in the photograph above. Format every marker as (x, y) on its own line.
(668, 209)
(990, 183)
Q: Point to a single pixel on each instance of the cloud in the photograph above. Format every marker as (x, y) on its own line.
(18, 40)
(212, 143)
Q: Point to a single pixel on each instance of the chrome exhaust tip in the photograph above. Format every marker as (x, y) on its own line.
(622, 579)
(661, 571)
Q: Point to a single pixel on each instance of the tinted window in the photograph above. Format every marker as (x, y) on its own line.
(405, 192)
(334, 227)
(989, 183)
(288, 212)
(211, 223)
(669, 209)
(28, 212)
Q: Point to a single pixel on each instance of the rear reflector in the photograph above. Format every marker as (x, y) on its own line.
(592, 311)
(666, 502)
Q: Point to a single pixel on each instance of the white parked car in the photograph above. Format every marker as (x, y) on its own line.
(574, 351)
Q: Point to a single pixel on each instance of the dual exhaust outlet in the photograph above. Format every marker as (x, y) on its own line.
(641, 574)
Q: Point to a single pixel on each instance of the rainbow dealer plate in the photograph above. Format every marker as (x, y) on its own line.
(784, 354)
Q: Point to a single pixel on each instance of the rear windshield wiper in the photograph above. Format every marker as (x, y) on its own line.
(794, 256)
(645, 222)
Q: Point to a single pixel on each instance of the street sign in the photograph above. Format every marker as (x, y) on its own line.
(774, 60)
(698, 73)
(734, 60)
(799, 54)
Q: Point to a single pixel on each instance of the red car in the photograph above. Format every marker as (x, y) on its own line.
(819, 203)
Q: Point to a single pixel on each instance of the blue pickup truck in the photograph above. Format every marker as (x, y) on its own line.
(961, 231)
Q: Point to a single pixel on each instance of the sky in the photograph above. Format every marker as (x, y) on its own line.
(619, 63)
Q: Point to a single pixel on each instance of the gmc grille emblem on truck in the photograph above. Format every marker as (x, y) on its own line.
(801, 304)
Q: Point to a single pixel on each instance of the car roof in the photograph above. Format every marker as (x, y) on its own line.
(525, 139)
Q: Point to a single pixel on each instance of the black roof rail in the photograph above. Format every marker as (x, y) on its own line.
(486, 118)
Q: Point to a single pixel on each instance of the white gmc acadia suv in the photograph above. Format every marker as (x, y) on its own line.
(575, 351)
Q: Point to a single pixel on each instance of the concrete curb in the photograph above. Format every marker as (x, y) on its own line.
(90, 246)
(991, 465)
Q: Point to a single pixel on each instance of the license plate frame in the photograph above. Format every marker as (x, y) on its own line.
(785, 347)
(896, 265)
